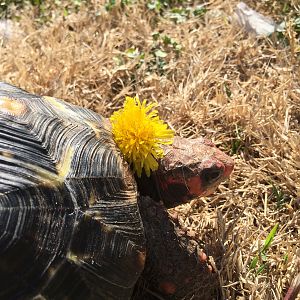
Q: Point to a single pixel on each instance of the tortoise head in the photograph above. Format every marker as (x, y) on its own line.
(190, 168)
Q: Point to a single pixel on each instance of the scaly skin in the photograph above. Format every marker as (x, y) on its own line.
(176, 267)
(190, 168)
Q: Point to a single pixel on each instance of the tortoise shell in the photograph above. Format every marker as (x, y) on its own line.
(69, 221)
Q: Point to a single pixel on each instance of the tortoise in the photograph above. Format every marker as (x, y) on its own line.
(71, 210)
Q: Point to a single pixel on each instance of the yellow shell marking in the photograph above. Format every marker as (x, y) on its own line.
(48, 178)
(39, 297)
(60, 106)
(92, 199)
(94, 127)
(11, 106)
(56, 103)
(64, 167)
(72, 257)
(6, 154)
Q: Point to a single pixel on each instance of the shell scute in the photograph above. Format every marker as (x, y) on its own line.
(68, 204)
(11, 106)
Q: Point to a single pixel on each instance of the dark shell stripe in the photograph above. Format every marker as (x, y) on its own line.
(69, 222)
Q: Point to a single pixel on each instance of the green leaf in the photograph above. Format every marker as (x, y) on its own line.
(263, 256)
(279, 195)
(154, 5)
(199, 11)
(110, 4)
(253, 263)
(178, 47)
(227, 90)
(132, 52)
(260, 269)
(126, 2)
(167, 40)
(77, 2)
(155, 36)
(177, 17)
(66, 12)
(270, 238)
(118, 60)
(160, 53)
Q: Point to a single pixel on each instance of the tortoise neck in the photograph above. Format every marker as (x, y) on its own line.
(156, 187)
(148, 186)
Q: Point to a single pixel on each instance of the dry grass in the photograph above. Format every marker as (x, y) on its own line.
(241, 92)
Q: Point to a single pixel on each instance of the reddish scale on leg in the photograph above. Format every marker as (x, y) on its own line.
(167, 287)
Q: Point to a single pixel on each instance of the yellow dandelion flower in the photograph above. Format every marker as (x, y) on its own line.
(139, 134)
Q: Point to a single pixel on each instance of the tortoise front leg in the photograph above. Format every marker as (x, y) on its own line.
(175, 266)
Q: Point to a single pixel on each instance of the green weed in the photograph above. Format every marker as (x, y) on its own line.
(280, 197)
(110, 4)
(260, 262)
(175, 10)
(238, 142)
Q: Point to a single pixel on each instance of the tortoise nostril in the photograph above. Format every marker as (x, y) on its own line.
(211, 175)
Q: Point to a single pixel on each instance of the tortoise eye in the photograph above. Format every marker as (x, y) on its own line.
(211, 175)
